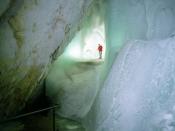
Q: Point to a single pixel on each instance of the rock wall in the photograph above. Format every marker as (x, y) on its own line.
(32, 34)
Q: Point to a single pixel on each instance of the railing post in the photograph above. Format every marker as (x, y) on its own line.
(53, 119)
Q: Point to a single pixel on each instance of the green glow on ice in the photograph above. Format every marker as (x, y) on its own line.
(84, 45)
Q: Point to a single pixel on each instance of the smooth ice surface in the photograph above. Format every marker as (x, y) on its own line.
(140, 90)
(73, 85)
(137, 19)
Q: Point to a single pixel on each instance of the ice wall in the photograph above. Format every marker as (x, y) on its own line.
(138, 93)
(73, 85)
(137, 19)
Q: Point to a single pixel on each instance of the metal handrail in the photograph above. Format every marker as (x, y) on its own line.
(32, 113)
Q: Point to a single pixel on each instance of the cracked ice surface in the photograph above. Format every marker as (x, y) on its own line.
(140, 90)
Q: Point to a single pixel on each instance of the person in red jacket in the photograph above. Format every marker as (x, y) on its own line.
(100, 49)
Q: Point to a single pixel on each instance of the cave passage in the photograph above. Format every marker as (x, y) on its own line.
(138, 94)
(84, 45)
(75, 77)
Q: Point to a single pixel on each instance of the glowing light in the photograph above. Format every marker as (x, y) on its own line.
(74, 51)
(91, 43)
(85, 46)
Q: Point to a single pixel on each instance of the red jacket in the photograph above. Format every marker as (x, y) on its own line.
(100, 48)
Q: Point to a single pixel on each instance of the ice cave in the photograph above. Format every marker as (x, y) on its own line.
(55, 77)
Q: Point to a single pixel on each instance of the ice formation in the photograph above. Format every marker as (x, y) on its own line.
(140, 90)
(73, 85)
